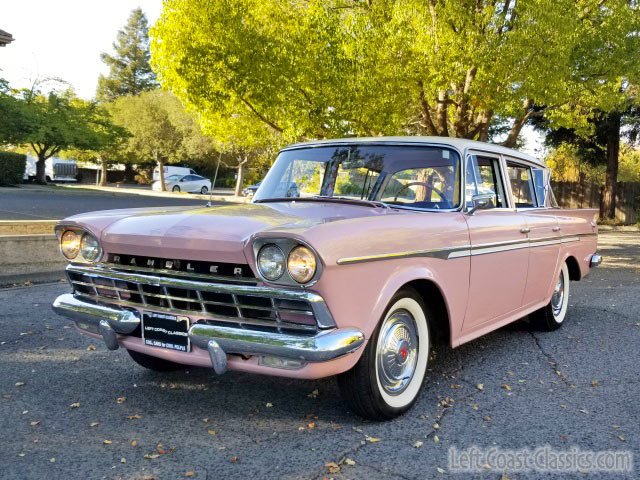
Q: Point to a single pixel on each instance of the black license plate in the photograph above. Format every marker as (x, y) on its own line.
(166, 331)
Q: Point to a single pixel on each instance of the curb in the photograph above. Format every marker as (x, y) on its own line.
(151, 193)
(618, 228)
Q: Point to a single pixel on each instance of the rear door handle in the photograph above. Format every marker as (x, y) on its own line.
(555, 229)
(525, 230)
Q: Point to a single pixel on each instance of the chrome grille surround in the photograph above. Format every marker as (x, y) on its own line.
(227, 302)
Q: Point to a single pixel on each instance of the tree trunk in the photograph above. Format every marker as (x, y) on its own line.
(160, 163)
(240, 178)
(41, 168)
(129, 173)
(608, 206)
(103, 168)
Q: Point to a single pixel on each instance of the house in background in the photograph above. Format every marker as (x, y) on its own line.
(5, 38)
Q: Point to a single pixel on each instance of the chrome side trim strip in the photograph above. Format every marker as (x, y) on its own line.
(469, 250)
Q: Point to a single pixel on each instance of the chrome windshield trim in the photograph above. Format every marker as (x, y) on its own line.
(320, 309)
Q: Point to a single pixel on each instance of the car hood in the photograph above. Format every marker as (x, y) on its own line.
(215, 233)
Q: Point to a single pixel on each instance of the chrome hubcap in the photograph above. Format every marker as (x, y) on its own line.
(558, 296)
(397, 352)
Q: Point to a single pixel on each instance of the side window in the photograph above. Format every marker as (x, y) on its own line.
(483, 177)
(521, 185)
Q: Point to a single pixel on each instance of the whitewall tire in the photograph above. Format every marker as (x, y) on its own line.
(552, 316)
(388, 378)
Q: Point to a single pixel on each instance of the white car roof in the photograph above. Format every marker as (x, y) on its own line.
(461, 144)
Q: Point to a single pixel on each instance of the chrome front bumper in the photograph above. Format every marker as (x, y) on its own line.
(111, 321)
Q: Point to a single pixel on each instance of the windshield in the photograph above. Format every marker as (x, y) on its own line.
(413, 176)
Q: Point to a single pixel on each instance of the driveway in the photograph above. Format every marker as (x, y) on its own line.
(72, 409)
(32, 202)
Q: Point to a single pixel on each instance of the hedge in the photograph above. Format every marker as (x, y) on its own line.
(12, 167)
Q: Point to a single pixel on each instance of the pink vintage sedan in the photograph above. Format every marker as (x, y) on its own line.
(384, 246)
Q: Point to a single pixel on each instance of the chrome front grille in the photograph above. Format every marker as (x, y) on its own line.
(246, 306)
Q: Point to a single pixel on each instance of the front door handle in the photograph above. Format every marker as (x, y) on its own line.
(525, 230)
(555, 229)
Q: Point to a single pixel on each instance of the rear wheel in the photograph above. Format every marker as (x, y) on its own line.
(204, 190)
(176, 189)
(551, 316)
(154, 363)
(388, 378)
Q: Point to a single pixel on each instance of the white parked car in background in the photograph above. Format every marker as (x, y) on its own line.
(184, 183)
(171, 170)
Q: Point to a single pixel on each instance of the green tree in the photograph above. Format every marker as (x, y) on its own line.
(438, 67)
(161, 131)
(242, 138)
(129, 70)
(50, 123)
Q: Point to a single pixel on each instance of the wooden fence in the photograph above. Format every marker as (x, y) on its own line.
(589, 195)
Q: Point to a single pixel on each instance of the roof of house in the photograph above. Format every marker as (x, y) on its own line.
(461, 144)
(5, 38)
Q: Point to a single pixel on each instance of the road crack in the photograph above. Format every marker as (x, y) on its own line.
(553, 363)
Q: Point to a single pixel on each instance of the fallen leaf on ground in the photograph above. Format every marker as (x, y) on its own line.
(205, 420)
(211, 431)
(456, 386)
(436, 426)
(332, 467)
(436, 439)
(75, 405)
(123, 460)
(348, 461)
(133, 443)
(94, 424)
(33, 424)
(373, 439)
(269, 405)
(584, 410)
(595, 383)
(418, 444)
(20, 384)
(440, 470)
(121, 400)
(134, 417)
(506, 387)
(91, 348)
(312, 426)
(52, 460)
(107, 442)
(189, 474)
(487, 419)
(480, 386)
(151, 456)
(234, 460)
(314, 394)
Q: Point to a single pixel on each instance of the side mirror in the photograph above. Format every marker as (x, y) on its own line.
(483, 201)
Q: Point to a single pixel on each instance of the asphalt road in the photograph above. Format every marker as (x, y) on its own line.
(60, 416)
(52, 203)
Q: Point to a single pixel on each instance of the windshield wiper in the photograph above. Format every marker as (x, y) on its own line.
(325, 198)
(373, 203)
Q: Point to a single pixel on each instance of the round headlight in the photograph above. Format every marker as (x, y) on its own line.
(271, 262)
(90, 248)
(70, 244)
(301, 264)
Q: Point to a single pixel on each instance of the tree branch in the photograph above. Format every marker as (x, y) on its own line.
(260, 116)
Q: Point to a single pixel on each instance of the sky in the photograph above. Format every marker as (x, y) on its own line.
(64, 39)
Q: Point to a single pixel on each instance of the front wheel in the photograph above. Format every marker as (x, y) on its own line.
(176, 189)
(388, 378)
(552, 315)
(204, 190)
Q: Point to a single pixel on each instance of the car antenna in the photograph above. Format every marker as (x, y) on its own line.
(215, 176)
